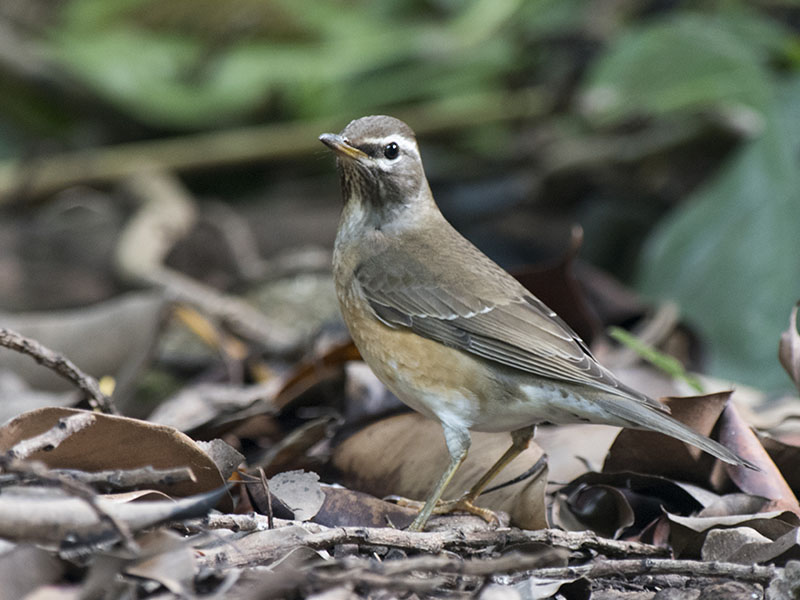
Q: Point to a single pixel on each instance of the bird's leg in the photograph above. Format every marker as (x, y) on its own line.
(458, 442)
(519, 441)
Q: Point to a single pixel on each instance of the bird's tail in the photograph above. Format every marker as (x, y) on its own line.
(638, 415)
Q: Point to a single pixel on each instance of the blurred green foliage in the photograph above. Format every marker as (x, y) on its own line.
(197, 63)
(729, 253)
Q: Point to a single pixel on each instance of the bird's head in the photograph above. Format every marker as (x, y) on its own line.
(379, 166)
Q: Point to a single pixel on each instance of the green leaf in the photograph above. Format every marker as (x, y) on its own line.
(730, 256)
(686, 62)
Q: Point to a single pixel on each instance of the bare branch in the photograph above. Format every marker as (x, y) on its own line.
(60, 365)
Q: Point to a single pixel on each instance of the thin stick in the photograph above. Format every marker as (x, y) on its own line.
(648, 566)
(53, 437)
(60, 365)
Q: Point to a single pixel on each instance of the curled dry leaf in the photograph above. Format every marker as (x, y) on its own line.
(768, 482)
(786, 457)
(613, 503)
(688, 534)
(406, 454)
(789, 348)
(114, 442)
(295, 495)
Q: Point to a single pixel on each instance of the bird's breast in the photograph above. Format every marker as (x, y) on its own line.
(438, 381)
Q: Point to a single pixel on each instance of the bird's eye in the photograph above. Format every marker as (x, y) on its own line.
(391, 150)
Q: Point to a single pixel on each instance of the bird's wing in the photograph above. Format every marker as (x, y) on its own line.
(487, 313)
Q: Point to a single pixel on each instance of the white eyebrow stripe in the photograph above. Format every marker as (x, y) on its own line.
(401, 140)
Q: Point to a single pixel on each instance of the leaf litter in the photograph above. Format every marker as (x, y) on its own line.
(266, 474)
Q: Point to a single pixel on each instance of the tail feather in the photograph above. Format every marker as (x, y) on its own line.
(638, 415)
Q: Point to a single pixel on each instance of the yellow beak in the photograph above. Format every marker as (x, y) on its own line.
(338, 144)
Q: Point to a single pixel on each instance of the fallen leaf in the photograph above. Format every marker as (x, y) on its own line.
(299, 491)
(723, 544)
(759, 549)
(619, 504)
(114, 442)
(768, 482)
(346, 508)
(789, 348)
(786, 457)
(572, 450)
(688, 534)
(167, 558)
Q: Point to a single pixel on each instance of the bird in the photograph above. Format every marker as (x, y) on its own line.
(449, 331)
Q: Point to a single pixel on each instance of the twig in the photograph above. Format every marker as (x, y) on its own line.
(480, 567)
(119, 479)
(61, 365)
(649, 566)
(436, 541)
(407, 573)
(377, 580)
(53, 437)
(166, 214)
(249, 522)
(262, 547)
(270, 516)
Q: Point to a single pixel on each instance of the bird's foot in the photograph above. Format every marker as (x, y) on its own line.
(405, 502)
(443, 507)
(465, 504)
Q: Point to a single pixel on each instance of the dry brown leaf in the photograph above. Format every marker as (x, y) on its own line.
(207, 405)
(600, 508)
(137, 495)
(114, 442)
(786, 457)
(768, 482)
(346, 508)
(613, 503)
(314, 369)
(405, 455)
(789, 348)
(291, 452)
(687, 534)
